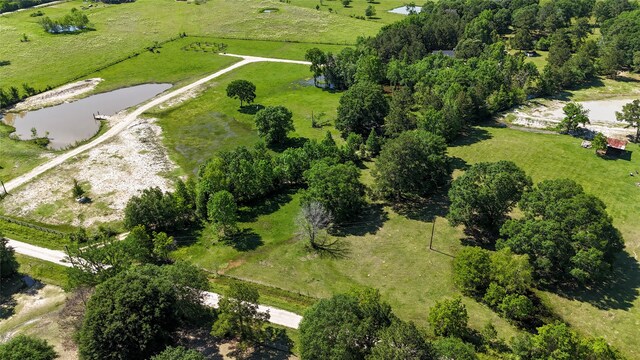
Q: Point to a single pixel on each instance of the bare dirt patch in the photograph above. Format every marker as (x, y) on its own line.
(36, 313)
(58, 95)
(547, 114)
(111, 173)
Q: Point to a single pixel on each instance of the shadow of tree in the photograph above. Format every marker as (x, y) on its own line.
(251, 109)
(244, 240)
(296, 142)
(619, 292)
(19, 284)
(369, 221)
(425, 209)
(458, 163)
(473, 135)
(265, 206)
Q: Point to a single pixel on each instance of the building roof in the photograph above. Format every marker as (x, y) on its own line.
(616, 143)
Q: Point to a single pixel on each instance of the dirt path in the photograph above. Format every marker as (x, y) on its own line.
(278, 316)
(132, 116)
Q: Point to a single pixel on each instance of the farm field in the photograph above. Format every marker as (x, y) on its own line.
(125, 29)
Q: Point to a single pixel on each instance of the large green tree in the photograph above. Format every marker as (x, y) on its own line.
(336, 187)
(631, 115)
(274, 123)
(413, 164)
(222, 211)
(449, 318)
(132, 315)
(574, 114)
(483, 196)
(243, 90)
(363, 107)
(567, 234)
(345, 326)
(401, 341)
(24, 347)
(318, 59)
(472, 270)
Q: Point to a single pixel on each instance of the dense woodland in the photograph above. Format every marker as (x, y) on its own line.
(403, 102)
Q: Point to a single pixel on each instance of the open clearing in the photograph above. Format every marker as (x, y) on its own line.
(547, 114)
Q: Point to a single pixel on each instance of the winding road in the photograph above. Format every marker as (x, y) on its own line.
(277, 316)
(132, 116)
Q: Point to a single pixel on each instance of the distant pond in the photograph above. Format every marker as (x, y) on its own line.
(72, 122)
(406, 10)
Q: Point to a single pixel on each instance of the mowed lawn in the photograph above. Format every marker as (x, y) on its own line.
(121, 30)
(196, 129)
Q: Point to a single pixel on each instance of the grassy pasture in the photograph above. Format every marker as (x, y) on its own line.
(121, 30)
(195, 129)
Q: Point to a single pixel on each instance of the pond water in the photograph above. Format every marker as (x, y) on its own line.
(69, 123)
(406, 10)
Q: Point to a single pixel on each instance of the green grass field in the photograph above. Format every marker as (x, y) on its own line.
(122, 30)
(193, 131)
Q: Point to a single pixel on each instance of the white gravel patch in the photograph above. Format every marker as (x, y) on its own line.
(114, 171)
(602, 115)
(58, 95)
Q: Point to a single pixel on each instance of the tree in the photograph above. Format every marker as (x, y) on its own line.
(345, 326)
(346, 3)
(162, 245)
(336, 187)
(24, 347)
(8, 264)
(77, 190)
(449, 318)
(454, 348)
(482, 197)
(243, 90)
(631, 115)
(413, 164)
(314, 221)
(373, 143)
(522, 40)
(512, 272)
(153, 209)
(516, 307)
(469, 48)
(318, 59)
(274, 123)
(599, 143)
(472, 270)
(222, 212)
(178, 353)
(567, 234)
(370, 11)
(401, 341)
(400, 118)
(575, 114)
(362, 108)
(238, 315)
(130, 316)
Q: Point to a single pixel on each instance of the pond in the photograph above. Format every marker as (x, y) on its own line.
(69, 123)
(406, 10)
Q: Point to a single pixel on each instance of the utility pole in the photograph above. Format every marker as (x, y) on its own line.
(433, 227)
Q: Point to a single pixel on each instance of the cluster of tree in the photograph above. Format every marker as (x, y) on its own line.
(359, 325)
(621, 39)
(567, 234)
(162, 211)
(13, 5)
(574, 116)
(72, 22)
(13, 96)
(500, 279)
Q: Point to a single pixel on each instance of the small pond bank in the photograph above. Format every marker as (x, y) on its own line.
(69, 123)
